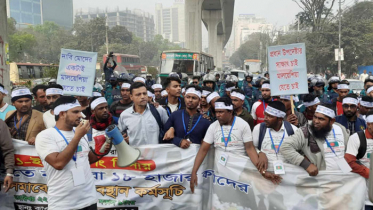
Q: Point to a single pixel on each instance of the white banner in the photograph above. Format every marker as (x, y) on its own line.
(160, 180)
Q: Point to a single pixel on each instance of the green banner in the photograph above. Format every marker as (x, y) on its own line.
(180, 56)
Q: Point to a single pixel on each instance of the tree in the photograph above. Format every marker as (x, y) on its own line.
(315, 12)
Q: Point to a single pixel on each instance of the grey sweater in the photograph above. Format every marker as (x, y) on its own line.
(6, 147)
(298, 142)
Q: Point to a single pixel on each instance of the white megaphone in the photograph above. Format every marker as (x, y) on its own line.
(126, 154)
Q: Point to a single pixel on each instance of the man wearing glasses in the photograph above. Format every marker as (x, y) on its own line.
(349, 117)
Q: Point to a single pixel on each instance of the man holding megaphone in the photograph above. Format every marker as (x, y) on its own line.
(66, 156)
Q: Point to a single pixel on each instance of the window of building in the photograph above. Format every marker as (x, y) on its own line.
(30, 72)
(26, 6)
(20, 72)
(36, 8)
(27, 18)
(37, 19)
(16, 16)
(14, 5)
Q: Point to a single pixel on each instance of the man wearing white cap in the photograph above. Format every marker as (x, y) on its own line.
(257, 112)
(24, 123)
(297, 118)
(269, 136)
(238, 100)
(66, 157)
(187, 126)
(228, 88)
(311, 102)
(322, 143)
(349, 117)
(117, 107)
(53, 92)
(157, 92)
(365, 105)
(4, 107)
(229, 133)
(211, 99)
(343, 90)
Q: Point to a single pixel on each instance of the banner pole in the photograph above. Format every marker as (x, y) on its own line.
(292, 104)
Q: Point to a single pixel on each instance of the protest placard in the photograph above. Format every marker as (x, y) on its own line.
(76, 72)
(288, 69)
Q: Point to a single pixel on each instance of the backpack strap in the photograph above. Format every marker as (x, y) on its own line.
(262, 133)
(157, 117)
(288, 128)
(363, 145)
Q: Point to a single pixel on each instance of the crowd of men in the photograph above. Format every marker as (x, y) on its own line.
(241, 117)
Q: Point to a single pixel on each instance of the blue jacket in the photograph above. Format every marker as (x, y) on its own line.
(360, 124)
(198, 133)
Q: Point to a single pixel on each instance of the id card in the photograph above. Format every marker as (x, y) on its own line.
(343, 165)
(278, 167)
(223, 159)
(78, 176)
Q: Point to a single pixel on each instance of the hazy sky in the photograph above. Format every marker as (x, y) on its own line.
(277, 12)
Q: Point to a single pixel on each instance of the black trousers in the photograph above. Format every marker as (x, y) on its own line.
(91, 207)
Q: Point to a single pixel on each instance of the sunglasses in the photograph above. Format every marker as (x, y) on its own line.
(195, 82)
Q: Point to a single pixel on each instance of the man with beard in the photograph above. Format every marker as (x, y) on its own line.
(24, 123)
(187, 126)
(269, 135)
(297, 118)
(333, 87)
(53, 92)
(257, 111)
(310, 102)
(173, 101)
(359, 150)
(238, 100)
(157, 92)
(139, 122)
(118, 107)
(66, 157)
(4, 107)
(365, 105)
(349, 118)
(320, 142)
(39, 95)
(204, 107)
(229, 133)
(343, 89)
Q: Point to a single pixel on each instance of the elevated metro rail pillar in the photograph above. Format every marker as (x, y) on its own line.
(193, 24)
(212, 18)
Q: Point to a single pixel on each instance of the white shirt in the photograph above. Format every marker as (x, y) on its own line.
(253, 110)
(267, 147)
(142, 129)
(338, 147)
(241, 133)
(49, 119)
(173, 107)
(363, 77)
(62, 194)
(353, 148)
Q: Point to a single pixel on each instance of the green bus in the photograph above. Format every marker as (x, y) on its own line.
(185, 61)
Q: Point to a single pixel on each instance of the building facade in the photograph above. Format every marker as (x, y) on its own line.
(36, 12)
(136, 21)
(243, 26)
(170, 22)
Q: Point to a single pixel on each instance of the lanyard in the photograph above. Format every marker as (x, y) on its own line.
(274, 147)
(168, 108)
(327, 142)
(229, 135)
(58, 130)
(20, 123)
(185, 130)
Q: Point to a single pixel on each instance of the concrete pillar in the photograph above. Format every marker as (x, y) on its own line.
(219, 51)
(193, 24)
(212, 18)
(4, 67)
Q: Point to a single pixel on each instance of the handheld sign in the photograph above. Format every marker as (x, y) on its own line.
(76, 72)
(288, 69)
